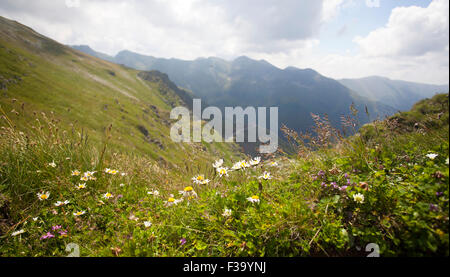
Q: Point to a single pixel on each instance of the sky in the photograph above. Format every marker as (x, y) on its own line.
(399, 39)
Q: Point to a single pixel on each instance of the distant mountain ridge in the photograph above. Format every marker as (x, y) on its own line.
(247, 82)
(399, 94)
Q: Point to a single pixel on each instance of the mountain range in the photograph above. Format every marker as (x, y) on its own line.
(399, 94)
(297, 92)
(247, 82)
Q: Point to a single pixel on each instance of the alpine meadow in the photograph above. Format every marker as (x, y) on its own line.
(89, 166)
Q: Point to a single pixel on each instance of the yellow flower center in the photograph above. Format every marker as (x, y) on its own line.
(171, 199)
(255, 197)
(188, 189)
(200, 178)
(44, 196)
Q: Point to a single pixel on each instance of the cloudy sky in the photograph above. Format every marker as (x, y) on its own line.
(399, 39)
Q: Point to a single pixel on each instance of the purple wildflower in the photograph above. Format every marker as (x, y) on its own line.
(324, 184)
(47, 236)
(439, 193)
(346, 175)
(182, 241)
(434, 208)
(57, 227)
(343, 188)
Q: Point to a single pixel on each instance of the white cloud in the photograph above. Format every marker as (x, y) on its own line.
(331, 8)
(176, 28)
(411, 31)
(413, 46)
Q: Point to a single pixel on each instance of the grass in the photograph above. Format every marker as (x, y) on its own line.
(63, 111)
(310, 207)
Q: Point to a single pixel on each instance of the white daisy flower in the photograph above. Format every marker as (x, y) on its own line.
(254, 199)
(255, 161)
(52, 164)
(123, 174)
(218, 163)
(113, 172)
(188, 192)
(358, 197)
(59, 203)
(43, 196)
(432, 156)
(133, 217)
(273, 164)
(147, 224)
(241, 165)
(81, 186)
(244, 164)
(172, 201)
(18, 233)
(227, 212)
(153, 192)
(107, 195)
(79, 213)
(87, 176)
(198, 179)
(178, 200)
(90, 173)
(222, 171)
(265, 176)
(35, 218)
(76, 173)
(236, 166)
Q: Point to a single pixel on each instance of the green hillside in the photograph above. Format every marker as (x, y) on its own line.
(39, 75)
(127, 191)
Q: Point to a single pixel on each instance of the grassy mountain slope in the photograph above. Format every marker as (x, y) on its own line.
(380, 195)
(41, 75)
(399, 94)
(382, 192)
